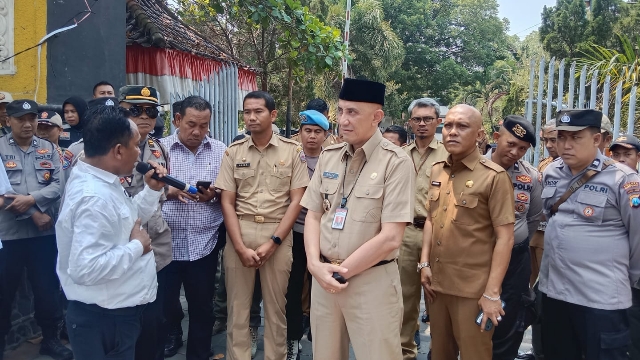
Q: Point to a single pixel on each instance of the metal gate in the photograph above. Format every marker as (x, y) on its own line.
(558, 96)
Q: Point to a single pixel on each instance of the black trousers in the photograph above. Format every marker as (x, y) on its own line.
(575, 332)
(508, 335)
(294, 289)
(150, 345)
(198, 279)
(634, 325)
(39, 256)
(97, 333)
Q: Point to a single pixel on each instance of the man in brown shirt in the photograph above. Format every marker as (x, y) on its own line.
(359, 202)
(262, 179)
(468, 237)
(424, 152)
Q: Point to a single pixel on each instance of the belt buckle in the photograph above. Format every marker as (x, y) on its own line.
(259, 219)
(336, 262)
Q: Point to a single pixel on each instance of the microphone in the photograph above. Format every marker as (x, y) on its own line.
(144, 168)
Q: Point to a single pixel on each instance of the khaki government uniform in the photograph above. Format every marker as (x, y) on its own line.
(369, 311)
(328, 141)
(536, 246)
(261, 180)
(157, 228)
(467, 200)
(411, 247)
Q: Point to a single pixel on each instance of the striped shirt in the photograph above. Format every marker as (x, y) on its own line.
(194, 226)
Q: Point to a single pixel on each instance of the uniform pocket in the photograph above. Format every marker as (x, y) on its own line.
(614, 345)
(369, 207)
(590, 207)
(280, 180)
(244, 179)
(44, 169)
(329, 187)
(432, 197)
(465, 206)
(548, 192)
(14, 172)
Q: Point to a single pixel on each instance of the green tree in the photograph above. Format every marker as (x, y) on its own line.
(562, 31)
(603, 17)
(629, 21)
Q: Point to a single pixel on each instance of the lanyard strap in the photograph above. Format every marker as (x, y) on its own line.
(343, 202)
(426, 156)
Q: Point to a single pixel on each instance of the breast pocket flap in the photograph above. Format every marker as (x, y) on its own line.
(369, 191)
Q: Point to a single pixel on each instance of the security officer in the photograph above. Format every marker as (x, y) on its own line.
(262, 179)
(26, 225)
(359, 202)
(142, 103)
(5, 99)
(592, 245)
(75, 151)
(424, 152)
(626, 150)
(513, 140)
(468, 239)
(320, 106)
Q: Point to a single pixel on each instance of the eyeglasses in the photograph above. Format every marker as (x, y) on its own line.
(427, 120)
(152, 112)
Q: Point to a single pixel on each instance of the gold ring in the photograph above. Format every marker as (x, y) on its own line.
(332, 291)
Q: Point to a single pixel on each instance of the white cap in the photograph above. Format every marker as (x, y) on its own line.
(5, 97)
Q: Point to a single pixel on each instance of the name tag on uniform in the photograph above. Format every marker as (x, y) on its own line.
(339, 218)
(330, 175)
(243, 165)
(435, 183)
(65, 135)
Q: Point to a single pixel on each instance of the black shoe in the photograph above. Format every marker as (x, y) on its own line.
(54, 348)
(529, 355)
(174, 342)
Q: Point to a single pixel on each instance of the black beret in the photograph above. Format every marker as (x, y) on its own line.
(626, 141)
(521, 128)
(576, 120)
(103, 101)
(362, 91)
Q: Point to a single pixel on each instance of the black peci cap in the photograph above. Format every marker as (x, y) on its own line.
(362, 91)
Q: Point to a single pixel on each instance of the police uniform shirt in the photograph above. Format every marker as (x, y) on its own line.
(422, 164)
(592, 244)
(467, 200)
(527, 190)
(262, 179)
(157, 228)
(69, 135)
(71, 156)
(383, 183)
(34, 172)
(538, 241)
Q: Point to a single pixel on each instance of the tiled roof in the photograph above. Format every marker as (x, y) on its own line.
(152, 23)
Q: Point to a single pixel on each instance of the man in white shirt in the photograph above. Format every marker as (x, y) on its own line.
(105, 262)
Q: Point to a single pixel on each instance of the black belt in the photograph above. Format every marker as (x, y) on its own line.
(339, 262)
(419, 222)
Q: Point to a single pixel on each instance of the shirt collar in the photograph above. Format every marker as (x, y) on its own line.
(512, 168)
(12, 141)
(99, 173)
(596, 164)
(369, 147)
(173, 140)
(273, 141)
(470, 161)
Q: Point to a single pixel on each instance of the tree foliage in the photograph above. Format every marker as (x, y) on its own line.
(562, 31)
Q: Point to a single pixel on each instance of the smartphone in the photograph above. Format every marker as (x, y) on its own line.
(204, 184)
(339, 278)
(489, 324)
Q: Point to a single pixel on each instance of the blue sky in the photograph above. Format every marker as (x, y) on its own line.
(524, 15)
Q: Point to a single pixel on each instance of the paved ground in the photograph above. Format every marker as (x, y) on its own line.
(29, 351)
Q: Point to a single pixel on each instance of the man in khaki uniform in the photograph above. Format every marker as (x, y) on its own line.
(322, 107)
(359, 202)
(424, 152)
(262, 179)
(468, 237)
(142, 102)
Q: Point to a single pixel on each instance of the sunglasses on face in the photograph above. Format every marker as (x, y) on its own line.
(151, 112)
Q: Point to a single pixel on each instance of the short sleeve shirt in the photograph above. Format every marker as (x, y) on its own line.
(422, 165)
(263, 178)
(383, 183)
(467, 200)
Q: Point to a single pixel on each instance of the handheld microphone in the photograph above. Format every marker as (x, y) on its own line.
(144, 168)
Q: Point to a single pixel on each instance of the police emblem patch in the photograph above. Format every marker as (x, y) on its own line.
(519, 130)
(10, 164)
(588, 211)
(156, 153)
(520, 207)
(26, 106)
(145, 92)
(47, 176)
(565, 118)
(42, 151)
(522, 197)
(524, 179)
(109, 103)
(44, 115)
(634, 200)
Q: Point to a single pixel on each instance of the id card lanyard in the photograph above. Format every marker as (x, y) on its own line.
(340, 217)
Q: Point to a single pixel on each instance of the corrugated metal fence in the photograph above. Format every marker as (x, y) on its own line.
(558, 96)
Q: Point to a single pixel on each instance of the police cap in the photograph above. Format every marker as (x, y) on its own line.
(576, 120)
(50, 118)
(139, 94)
(18, 108)
(520, 128)
(626, 141)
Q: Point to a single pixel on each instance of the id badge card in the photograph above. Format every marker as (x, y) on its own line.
(339, 218)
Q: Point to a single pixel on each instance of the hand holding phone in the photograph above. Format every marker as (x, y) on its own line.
(204, 184)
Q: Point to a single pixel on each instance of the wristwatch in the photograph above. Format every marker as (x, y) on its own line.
(276, 240)
(423, 265)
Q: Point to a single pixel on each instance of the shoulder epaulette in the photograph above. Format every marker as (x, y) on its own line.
(491, 165)
(288, 141)
(395, 149)
(238, 142)
(336, 146)
(624, 168)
